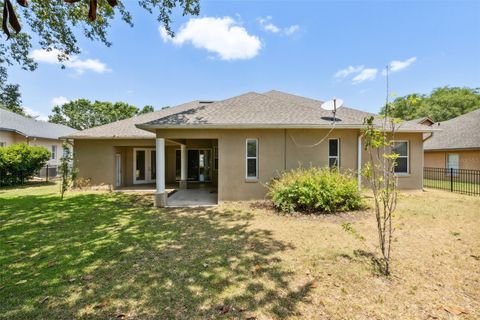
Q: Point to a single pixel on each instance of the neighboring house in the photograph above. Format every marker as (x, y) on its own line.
(236, 145)
(15, 128)
(457, 145)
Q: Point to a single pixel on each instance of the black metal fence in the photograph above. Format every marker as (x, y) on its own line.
(454, 180)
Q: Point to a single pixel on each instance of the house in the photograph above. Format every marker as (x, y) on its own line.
(234, 145)
(457, 145)
(15, 128)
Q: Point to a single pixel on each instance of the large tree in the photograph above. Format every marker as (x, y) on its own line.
(83, 114)
(442, 104)
(10, 97)
(55, 24)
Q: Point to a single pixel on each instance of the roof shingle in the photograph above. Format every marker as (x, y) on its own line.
(30, 127)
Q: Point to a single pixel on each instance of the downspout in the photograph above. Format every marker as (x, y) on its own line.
(285, 149)
(359, 162)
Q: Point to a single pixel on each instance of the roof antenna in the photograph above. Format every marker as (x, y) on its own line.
(332, 105)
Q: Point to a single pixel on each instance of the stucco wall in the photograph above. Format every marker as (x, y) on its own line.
(279, 149)
(286, 149)
(468, 159)
(9, 137)
(95, 159)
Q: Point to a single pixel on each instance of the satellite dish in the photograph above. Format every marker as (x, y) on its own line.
(332, 105)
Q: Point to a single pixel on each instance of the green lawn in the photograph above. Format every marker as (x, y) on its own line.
(103, 255)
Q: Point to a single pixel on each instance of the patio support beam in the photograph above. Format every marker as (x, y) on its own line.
(160, 194)
(183, 166)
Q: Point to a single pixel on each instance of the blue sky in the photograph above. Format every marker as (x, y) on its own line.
(319, 49)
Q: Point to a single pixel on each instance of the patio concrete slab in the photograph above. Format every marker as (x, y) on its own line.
(200, 197)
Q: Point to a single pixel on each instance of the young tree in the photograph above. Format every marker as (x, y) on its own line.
(67, 170)
(83, 114)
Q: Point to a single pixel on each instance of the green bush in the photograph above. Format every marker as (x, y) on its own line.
(315, 190)
(20, 162)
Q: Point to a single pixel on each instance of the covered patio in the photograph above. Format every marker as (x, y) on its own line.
(178, 172)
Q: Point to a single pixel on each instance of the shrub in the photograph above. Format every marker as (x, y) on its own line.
(315, 190)
(20, 162)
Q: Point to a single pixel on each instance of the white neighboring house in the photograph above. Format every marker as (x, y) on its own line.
(15, 128)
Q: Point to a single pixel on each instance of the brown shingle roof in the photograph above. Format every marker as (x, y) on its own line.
(272, 109)
(126, 128)
(462, 132)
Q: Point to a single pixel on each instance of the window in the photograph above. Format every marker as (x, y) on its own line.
(54, 152)
(3, 144)
(334, 153)
(453, 161)
(252, 159)
(401, 148)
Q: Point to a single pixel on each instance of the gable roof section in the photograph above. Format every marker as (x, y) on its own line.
(272, 109)
(126, 129)
(29, 127)
(462, 132)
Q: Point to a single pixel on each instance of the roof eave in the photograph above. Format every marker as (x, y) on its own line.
(153, 127)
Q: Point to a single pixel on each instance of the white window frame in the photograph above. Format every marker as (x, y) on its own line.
(407, 156)
(249, 158)
(337, 157)
(54, 150)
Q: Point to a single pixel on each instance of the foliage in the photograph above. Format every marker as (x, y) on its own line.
(67, 170)
(20, 162)
(56, 25)
(442, 104)
(315, 190)
(10, 97)
(380, 173)
(83, 114)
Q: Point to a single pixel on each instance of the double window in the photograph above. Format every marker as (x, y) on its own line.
(251, 161)
(334, 153)
(402, 149)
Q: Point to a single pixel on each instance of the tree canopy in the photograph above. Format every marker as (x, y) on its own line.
(10, 97)
(442, 104)
(83, 114)
(56, 24)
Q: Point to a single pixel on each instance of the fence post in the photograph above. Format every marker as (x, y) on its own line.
(451, 179)
(46, 174)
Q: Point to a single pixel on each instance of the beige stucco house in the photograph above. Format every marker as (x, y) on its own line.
(457, 145)
(234, 146)
(15, 128)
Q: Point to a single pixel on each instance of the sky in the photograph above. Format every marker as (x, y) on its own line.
(317, 49)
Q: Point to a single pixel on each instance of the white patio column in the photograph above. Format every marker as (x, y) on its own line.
(160, 194)
(183, 166)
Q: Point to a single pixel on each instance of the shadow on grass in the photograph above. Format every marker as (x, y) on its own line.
(28, 184)
(110, 255)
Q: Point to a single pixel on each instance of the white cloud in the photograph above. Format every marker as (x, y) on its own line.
(74, 62)
(268, 26)
(365, 74)
(223, 36)
(292, 29)
(397, 65)
(35, 114)
(59, 101)
(343, 73)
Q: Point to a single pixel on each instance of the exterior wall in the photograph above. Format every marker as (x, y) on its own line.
(95, 159)
(9, 137)
(281, 150)
(468, 159)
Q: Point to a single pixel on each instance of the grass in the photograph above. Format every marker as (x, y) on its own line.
(461, 187)
(100, 255)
